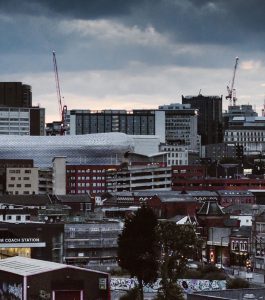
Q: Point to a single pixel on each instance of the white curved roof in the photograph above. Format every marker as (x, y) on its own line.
(101, 148)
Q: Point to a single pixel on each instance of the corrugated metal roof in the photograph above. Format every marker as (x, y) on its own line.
(27, 266)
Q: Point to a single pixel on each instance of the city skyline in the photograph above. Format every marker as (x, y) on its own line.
(133, 54)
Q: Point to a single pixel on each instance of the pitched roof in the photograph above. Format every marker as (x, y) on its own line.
(25, 266)
(211, 208)
(27, 200)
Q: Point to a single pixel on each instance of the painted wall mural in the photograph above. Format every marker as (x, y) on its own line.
(189, 285)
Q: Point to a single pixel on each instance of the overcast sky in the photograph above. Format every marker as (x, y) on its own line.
(133, 53)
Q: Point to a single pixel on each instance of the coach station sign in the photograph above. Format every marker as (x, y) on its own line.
(19, 240)
(31, 242)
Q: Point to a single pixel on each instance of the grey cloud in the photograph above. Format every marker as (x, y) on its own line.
(193, 21)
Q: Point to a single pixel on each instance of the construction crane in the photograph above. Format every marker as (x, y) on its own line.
(231, 90)
(62, 108)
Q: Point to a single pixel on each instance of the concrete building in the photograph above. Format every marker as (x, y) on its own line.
(181, 125)
(59, 175)
(136, 122)
(176, 154)
(22, 121)
(132, 178)
(92, 244)
(15, 94)
(174, 123)
(17, 115)
(22, 181)
(237, 111)
(247, 132)
(217, 152)
(209, 117)
(11, 163)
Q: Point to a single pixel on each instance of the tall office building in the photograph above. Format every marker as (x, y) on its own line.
(15, 94)
(237, 111)
(174, 123)
(17, 115)
(22, 121)
(209, 117)
(140, 122)
(181, 125)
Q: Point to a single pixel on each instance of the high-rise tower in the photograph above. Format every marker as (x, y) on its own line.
(209, 117)
(15, 94)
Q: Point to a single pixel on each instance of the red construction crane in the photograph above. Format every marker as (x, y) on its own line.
(62, 108)
(231, 90)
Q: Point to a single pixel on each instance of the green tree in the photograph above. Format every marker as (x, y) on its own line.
(177, 243)
(138, 247)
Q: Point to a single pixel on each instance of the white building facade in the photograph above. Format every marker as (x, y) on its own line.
(176, 155)
(248, 132)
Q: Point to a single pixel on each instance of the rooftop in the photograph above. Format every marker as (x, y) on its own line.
(27, 266)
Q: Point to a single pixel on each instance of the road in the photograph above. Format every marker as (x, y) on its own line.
(256, 277)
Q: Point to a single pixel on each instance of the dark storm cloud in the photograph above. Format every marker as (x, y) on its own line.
(231, 27)
(193, 21)
(76, 9)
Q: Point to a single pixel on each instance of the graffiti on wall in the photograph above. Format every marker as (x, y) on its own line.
(189, 285)
(8, 290)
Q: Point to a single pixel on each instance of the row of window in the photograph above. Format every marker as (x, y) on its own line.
(239, 246)
(177, 154)
(245, 133)
(26, 185)
(85, 171)
(87, 178)
(19, 178)
(17, 218)
(19, 171)
(86, 191)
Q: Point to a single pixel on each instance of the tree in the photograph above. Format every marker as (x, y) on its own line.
(177, 243)
(132, 294)
(237, 283)
(138, 247)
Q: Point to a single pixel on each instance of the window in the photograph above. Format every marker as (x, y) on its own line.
(18, 218)
(26, 178)
(27, 171)
(27, 185)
